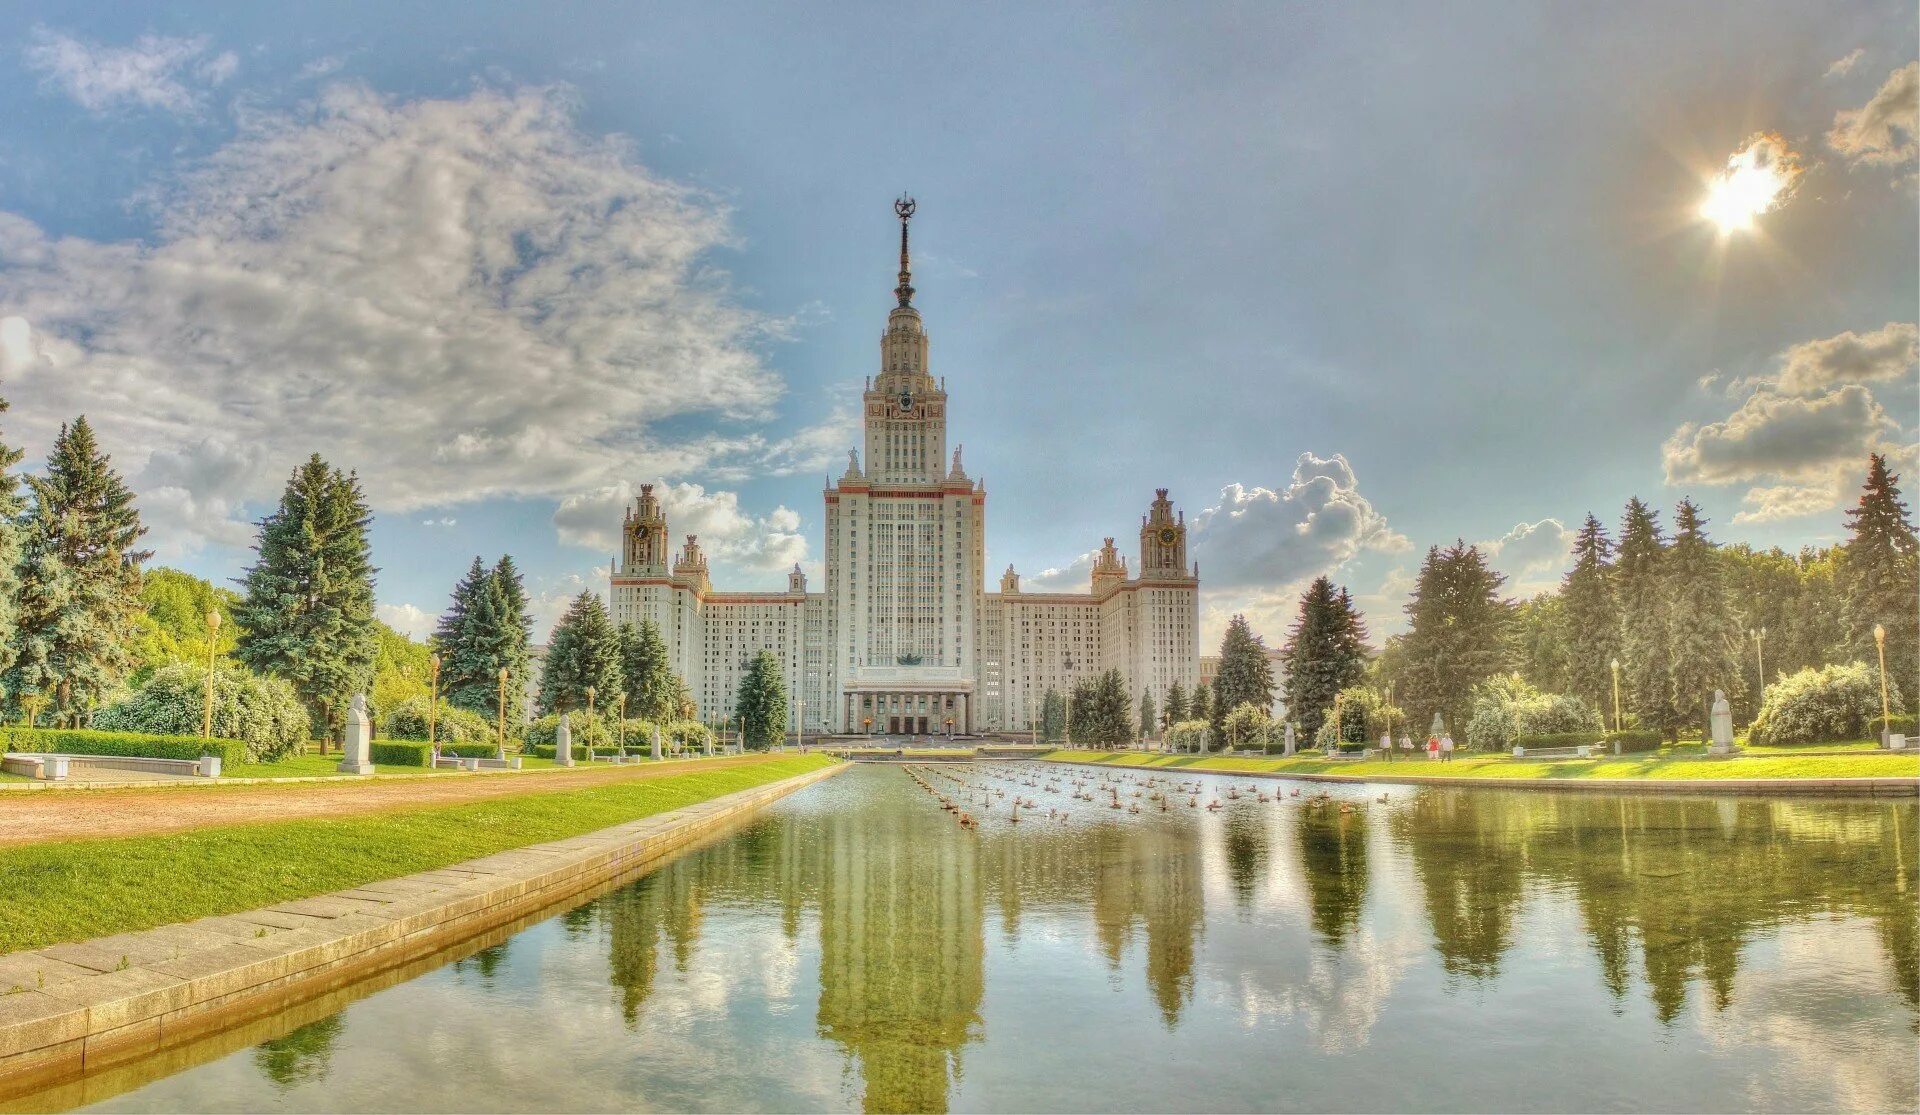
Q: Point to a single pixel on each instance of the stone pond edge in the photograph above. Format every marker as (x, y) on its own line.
(86, 1006)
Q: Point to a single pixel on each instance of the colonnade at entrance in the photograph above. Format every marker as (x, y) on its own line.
(930, 712)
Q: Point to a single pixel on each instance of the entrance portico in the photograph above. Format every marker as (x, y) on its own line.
(907, 706)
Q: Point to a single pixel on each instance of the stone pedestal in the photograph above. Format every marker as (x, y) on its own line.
(1291, 743)
(656, 743)
(357, 756)
(709, 745)
(563, 741)
(1721, 721)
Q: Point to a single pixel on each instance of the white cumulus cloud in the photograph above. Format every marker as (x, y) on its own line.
(407, 619)
(1882, 132)
(157, 72)
(1267, 536)
(729, 535)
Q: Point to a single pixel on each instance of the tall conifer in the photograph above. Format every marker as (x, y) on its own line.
(1646, 659)
(1591, 616)
(583, 652)
(1703, 634)
(1325, 653)
(1880, 577)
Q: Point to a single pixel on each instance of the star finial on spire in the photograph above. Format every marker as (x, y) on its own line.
(903, 208)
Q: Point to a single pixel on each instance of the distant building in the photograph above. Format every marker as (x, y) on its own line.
(906, 638)
(1210, 668)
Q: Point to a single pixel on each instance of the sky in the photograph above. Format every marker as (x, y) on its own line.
(1351, 281)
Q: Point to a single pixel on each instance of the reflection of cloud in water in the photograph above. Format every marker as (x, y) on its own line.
(1336, 994)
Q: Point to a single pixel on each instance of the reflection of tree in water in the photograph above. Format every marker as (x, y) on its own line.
(1689, 881)
(1333, 857)
(1245, 842)
(484, 963)
(301, 1057)
(901, 948)
(1150, 876)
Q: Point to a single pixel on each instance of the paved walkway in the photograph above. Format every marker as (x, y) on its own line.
(34, 818)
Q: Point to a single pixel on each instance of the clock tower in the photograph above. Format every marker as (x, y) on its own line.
(905, 407)
(1163, 541)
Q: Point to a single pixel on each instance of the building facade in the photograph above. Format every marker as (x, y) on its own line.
(904, 636)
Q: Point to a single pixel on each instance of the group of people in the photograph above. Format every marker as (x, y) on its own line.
(1439, 748)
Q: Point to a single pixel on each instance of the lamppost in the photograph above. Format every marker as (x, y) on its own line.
(1338, 738)
(1387, 715)
(433, 698)
(800, 723)
(1760, 662)
(623, 724)
(589, 731)
(503, 712)
(1616, 693)
(213, 638)
(1886, 717)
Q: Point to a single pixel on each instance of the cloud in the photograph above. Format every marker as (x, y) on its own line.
(460, 299)
(407, 619)
(1890, 352)
(1843, 65)
(1074, 576)
(1785, 501)
(728, 535)
(1882, 131)
(1258, 536)
(194, 494)
(154, 73)
(1532, 555)
(1759, 178)
(1783, 436)
(442, 521)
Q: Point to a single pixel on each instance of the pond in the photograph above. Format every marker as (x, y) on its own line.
(854, 947)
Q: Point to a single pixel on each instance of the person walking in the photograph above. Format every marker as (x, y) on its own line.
(1433, 748)
(1386, 745)
(1446, 749)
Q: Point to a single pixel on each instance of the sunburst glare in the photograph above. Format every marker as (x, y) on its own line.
(1759, 177)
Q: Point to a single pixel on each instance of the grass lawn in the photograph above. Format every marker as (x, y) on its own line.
(90, 888)
(1657, 765)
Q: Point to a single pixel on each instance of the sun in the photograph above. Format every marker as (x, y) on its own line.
(1759, 177)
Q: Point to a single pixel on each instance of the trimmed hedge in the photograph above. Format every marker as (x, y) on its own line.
(401, 753)
(548, 750)
(470, 750)
(1899, 724)
(1628, 741)
(84, 741)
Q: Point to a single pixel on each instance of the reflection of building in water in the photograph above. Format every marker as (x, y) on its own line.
(1333, 857)
(902, 972)
(1150, 874)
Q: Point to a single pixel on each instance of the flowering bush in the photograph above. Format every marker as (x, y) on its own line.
(1506, 708)
(1187, 735)
(408, 720)
(1249, 726)
(261, 712)
(1817, 706)
(1364, 717)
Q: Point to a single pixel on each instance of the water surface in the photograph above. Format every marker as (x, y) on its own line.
(1446, 949)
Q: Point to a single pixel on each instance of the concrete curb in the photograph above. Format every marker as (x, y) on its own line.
(327, 779)
(1783, 787)
(79, 1008)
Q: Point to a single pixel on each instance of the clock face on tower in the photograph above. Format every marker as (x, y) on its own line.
(906, 401)
(1168, 536)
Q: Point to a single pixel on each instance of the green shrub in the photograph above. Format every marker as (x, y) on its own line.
(548, 751)
(1187, 735)
(1629, 741)
(596, 731)
(262, 712)
(1506, 709)
(1901, 724)
(408, 720)
(469, 750)
(690, 734)
(1826, 705)
(1364, 717)
(84, 741)
(1248, 726)
(400, 753)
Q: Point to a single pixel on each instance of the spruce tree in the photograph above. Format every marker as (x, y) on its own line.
(1202, 706)
(1703, 633)
(1325, 652)
(1880, 577)
(78, 581)
(648, 676)
(1080, 717)
(583, 653)
(11, 508)
(1146, 713)
(1590, 617)
(1246, 674)
(466, 677)
(513, 637)
(1053, 717)
(761, 707)
(306, 613)
(1646, 670)
(1458, 637)
(1174, 708)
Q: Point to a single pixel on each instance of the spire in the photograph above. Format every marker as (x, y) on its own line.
(903, 208)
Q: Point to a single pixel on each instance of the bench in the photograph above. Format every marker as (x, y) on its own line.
(456, 762)
(1578, 751)
(55, 767)
(1338, 756)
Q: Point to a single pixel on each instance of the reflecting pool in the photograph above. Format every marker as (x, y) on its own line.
(854, 947)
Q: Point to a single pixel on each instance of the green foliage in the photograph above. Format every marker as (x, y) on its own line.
(1458, 636)
(1824, 705)
(408, 720)
(11, 507)
(1100, 715)
(1246, 674)
(1703, 635)
(691, 735)
(649, 679)
(1146, 714)
(1053, 717)
(145, 745)
(596, 731)
(307, 609)
(1325, 653)
(1187, 735)
(469, 750)
(1249, 726)
(1881, 577)
(761, 707)
(1588, 619)
(263, 713)
(1508, 708)
(485, 630)
(1174, 709)
(402, 669)
(79, 581)
(1364, 717)
(1201, 707)
(173, 626)
(1646, 656)
(400, 753)
(583, 654)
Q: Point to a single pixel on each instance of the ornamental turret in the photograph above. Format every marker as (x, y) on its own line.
(1109, 572)
(644, 534)
(692, 565)
(905, 407)
(1163, 541)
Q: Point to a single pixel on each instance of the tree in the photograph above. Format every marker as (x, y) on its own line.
(1174, 709)
(1458, 636)
(1703, 635)
(78, 582)
(306, 611)
(1246, 674)
(649, 678)
(1249, 726)
(11, 506)
(484, 629)
(1646, 663)
(583, 653)
(1053, 717)
(515, 635)
(1202, 706)
(1590, 618)
(1881, 576)
(1102, 714)
(762, 704)
(1539, 636)
(1080, 723)
(1146, 713)
(172, 625)
(1325, 652)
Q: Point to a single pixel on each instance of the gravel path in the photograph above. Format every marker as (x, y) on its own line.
(80, 815)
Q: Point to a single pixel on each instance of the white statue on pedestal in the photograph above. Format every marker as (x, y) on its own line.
(1721, 721)
(563, 741)
(357, 758)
